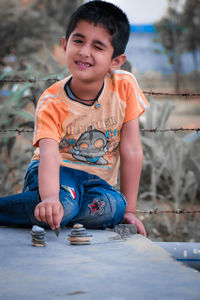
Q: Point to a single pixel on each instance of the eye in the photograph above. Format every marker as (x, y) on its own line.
(98, 48)
(78, 41)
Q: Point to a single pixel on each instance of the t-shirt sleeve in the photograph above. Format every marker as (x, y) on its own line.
(135, 100)
(46, 121)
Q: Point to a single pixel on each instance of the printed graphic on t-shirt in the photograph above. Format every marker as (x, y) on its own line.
(92, 146)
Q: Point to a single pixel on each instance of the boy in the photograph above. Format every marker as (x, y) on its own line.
(83, 125)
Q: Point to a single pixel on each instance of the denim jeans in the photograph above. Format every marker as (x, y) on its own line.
(86, 199)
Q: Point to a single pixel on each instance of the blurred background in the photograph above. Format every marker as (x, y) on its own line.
(163, 54)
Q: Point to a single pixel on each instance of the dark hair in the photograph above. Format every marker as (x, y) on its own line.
(107, 14)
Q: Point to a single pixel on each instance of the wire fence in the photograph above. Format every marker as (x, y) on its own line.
(149, 93)
(154, 211)
(153, 130)
(186, 94)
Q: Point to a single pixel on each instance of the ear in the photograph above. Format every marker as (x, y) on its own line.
(64, 43)
(117, 62)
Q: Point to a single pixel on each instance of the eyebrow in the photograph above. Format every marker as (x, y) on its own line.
(95, 41)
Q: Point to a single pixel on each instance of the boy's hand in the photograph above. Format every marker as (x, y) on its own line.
(129, 218)
(50, 211)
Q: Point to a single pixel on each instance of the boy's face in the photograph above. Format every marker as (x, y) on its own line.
(89, 52)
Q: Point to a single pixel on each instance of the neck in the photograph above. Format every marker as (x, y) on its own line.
(85, 91)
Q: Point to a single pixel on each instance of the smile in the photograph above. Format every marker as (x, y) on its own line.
(83, 65)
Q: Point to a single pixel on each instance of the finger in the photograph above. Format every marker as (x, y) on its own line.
(37, 213)
(129, 221)
(49, 216)
(57, 215)
(141, 229)
(42, 214)
(61, 214)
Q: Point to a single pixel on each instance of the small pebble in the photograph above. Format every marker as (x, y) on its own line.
(77, 225)
(79, 236)
(38, 236)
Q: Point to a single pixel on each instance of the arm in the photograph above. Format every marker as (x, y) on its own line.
(50, 209)
(131, 157)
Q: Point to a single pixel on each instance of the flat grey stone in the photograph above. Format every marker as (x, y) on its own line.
(37, 229)
(125, 230)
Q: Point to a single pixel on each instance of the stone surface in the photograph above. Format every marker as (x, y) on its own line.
(132, 268)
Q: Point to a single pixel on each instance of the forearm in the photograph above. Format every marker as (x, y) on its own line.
(131, 157)
(50, 209)
(49, 175)
(130, 171)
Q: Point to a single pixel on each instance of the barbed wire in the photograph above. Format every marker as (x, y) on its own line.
(23, 80)
(186, 94)
(157, 130)
(150, 93)
(17, 130)
(156, 211)
(153, 130)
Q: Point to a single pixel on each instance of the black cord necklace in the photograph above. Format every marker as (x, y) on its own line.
(93, 100)
(75, 97)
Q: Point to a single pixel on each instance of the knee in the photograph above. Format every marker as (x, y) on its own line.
(106, 210)
(102, 210)
(118, 206)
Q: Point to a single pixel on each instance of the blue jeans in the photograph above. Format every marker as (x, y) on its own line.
(86, 199)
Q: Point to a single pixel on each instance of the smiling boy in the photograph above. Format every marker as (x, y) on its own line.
(84, 125)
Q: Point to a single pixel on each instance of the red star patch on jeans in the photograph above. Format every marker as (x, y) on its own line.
(96, 206)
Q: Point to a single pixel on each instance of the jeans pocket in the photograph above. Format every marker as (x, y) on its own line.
(69, 202)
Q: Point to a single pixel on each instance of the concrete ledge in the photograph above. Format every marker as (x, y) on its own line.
(133, 268)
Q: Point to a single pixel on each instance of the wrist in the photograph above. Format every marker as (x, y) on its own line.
(50, 199)
(130, 212)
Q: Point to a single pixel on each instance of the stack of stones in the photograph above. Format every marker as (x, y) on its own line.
(38, 236)
(79, 236)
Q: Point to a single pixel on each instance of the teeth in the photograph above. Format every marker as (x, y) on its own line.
(83, 64)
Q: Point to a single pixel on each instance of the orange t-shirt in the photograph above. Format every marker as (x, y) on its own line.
(89, 136)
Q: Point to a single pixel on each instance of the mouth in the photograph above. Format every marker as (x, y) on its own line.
(83, 65)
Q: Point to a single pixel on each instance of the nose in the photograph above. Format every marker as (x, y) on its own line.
(85, 50)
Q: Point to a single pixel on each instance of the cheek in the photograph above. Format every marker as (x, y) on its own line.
(68, 58)
(105, 58)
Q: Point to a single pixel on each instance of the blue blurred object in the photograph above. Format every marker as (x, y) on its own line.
(192, 137)
(142, 52)
(5, 93)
